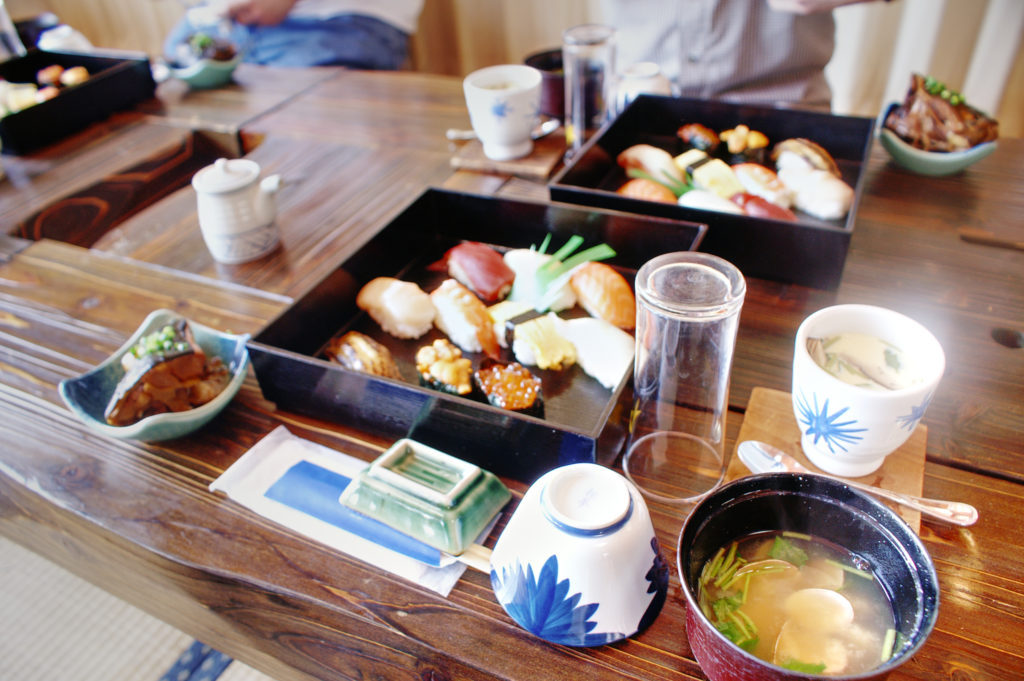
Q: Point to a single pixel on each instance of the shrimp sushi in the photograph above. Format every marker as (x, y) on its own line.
(605, 294)
(464, 318)
(401, 308)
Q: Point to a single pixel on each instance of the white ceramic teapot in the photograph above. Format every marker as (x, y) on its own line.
(237, 209)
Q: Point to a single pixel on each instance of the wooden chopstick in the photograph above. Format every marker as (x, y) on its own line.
(981, 236)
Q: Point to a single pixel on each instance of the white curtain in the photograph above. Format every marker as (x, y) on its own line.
(971, 45)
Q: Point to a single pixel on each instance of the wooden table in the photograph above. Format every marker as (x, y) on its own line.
(139, 521)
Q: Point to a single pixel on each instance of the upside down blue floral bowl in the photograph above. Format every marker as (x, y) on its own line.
(578, 563)
(848, 429)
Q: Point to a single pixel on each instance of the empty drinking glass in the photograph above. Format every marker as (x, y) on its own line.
(688, 308)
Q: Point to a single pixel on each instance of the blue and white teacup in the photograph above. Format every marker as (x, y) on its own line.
(578, 563)
(846, 428)
(504, 104)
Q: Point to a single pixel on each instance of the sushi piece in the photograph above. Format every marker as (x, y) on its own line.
(715, 175)
(698, 136)
(604, 351)
(646, 190)
(762, 181)
(510, 385)
(605, 294)
(401, 308)
(502, 313)
(481, 269)
(689, 158)
(745, 144)
(166, 371)
(441, 366)
(464, 319)
(760, 207)
(705, 200)
(538, 343)
(655, 163)
(359, 352)
(527, 288)
(801, 153)
(818, 192)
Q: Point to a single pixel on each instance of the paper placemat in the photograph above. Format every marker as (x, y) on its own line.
(770, 419)
(296, 483)
(538, 165)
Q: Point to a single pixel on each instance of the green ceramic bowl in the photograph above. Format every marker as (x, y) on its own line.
(441, 500)
(87, 395)
(935, 163)
(206, 73)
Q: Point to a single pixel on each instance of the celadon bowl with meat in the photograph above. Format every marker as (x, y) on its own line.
(169, 379)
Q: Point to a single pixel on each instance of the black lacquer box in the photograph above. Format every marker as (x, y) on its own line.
(582, 421)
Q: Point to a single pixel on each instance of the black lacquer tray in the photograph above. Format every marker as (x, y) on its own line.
(583, 421)
(117, 81)
(810, 251)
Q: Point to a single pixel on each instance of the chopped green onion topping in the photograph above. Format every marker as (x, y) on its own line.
(783, 549)
(804, 667)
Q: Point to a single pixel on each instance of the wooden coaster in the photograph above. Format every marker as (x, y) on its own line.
(770, 419)
(538, 165)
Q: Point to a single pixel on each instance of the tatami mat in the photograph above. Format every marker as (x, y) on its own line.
(54, 625)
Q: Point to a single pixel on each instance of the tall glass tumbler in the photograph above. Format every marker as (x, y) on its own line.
(588, 59)
(688, 310)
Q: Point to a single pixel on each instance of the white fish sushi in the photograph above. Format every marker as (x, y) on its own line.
(603, 350)
(818, 192)
(401, 308)
(705, 200)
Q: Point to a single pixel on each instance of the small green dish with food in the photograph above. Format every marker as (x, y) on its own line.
(169, 379)
(934, 131)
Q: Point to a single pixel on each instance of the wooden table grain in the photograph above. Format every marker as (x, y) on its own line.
(139, 520)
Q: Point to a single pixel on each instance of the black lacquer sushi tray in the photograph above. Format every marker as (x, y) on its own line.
(582, 420)
(117, 81)
(809, 251)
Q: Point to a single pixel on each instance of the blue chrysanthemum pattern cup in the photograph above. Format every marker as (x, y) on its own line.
(578, 563)
(847, 429)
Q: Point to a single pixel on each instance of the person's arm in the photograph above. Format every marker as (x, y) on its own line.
(809, 6)
(260, 12)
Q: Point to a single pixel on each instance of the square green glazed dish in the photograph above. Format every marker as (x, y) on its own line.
(437, 498)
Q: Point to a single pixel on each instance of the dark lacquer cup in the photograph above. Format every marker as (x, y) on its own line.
(552, 88)
(821, 507)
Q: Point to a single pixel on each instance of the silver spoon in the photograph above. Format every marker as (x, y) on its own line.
(761, 457)
(545, 128)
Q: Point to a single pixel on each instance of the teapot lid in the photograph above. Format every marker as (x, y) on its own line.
(226, 175)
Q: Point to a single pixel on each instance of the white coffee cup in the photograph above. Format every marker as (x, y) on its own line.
(503, 103)
(236, 210)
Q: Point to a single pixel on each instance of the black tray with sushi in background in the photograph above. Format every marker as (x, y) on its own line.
(810, 251)
(582, 421)
(117, 81)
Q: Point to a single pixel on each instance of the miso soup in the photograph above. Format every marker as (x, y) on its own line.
(800, 603)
